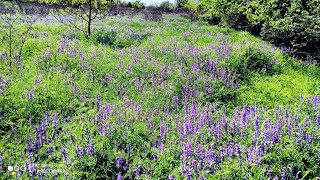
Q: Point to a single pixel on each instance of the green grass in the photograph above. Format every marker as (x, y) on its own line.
(148, 72)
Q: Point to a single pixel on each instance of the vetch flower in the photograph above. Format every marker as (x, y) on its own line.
(283, 174)
(119, 176)
(80, 151)
(187, 149)
(55, 120)
(40, 175)
(308, 140)
(119, 162)
(163, 130)
(98, 102)
(172, 177)
(64, 154)
(90, 149)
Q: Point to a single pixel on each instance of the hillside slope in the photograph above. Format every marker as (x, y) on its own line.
(156, 100)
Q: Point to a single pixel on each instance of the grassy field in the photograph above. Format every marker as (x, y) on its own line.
(175, 99)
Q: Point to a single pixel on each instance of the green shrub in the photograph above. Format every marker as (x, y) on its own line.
(105, 37)
(181, 3)
(167, 6)
(254, 61)
(136, 5)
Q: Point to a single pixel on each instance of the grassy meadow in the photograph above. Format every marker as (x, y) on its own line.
(173, 99)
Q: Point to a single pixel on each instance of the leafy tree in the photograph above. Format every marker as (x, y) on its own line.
(181, 3)
(15, 27)
(87, 10)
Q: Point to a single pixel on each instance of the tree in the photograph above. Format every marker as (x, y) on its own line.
(181, 3)
(12, 18)
(87, 10)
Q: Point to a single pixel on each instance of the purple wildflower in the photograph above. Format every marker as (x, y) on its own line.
(50, 151)
(19, 173)
(137, 172)
(308, 140)
(107, 109)
(80, 151)
(40, 175)
(64, 154)
(1, 163)
(163, 130)
(257, 133)
(187, 149)
(55, 121)
(139, 111)
(119, 162)
(187, 126)
(175, 102)
(119, 176)
(26, 166)
(98, 102)
(75, 91)
(283, 174)
(90, 149)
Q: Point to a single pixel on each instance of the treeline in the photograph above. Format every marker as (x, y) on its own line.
(293, 24)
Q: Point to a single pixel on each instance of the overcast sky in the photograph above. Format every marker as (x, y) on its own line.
(151, 2)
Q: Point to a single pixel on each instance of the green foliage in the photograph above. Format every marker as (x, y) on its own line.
(136, 5)
(145, 64)
(282, 89)
(181, 3)
(118, 40)
(167, 6)
(105, 37)
(254, 61)
(294, 24)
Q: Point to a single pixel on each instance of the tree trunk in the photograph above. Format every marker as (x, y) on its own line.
(90, 19)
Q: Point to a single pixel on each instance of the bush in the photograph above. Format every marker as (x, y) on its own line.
(167, 6)
(105, 37)
(254, 61)
(136, 5)
(298, 28)
(181, 3)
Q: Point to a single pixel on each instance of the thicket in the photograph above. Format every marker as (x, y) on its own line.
(291, 24)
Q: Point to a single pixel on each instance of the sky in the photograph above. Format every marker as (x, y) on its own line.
(152, 2)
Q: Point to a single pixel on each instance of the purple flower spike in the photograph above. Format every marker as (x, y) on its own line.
(308, 140)
(187, 126)
(90, 149)
(188, 149)
(1, 164)
(75, 91)
(64, 154)
(119, 162)
(172, 177)
(50, 151)
(80, 151)
(283, 174)
(40, 175)
(257, 133)
(119, 176)
(163, 130)
(137, 172)
(98, 102)
(55, 121)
